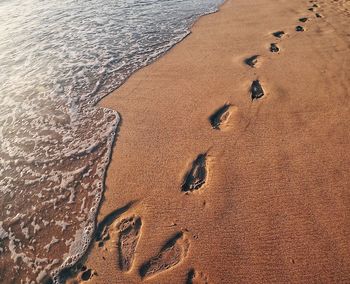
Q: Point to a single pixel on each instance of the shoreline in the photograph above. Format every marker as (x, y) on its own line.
(249, 211)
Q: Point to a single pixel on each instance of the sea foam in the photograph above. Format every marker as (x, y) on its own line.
(57, 60)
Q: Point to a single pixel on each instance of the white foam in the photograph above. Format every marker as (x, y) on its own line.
(3, 233)
(52, 242)
(62, 224)
(58, 58)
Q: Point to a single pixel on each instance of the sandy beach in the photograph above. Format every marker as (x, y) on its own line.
(216, 179)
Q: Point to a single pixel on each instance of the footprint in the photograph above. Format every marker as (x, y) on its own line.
(171, 254)
(311, 9)
(102, 231)
(129, 234)
(278, 34)
(76, 274)
(194, 277)
(274, 47)
(256, 90)
(220, 117)
(252, 61)
(120, 237)
(318, 15)
(197, 175)
(315, 6)
(299, 29)
(303, 20)
(86, 274)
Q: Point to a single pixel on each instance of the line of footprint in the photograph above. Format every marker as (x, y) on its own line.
(126, 233)
(256, 89)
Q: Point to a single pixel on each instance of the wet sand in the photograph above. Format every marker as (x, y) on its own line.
(232, 156)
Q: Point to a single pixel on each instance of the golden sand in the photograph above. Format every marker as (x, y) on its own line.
(270, 202)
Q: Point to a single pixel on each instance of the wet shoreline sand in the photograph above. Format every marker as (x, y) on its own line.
(234, 172)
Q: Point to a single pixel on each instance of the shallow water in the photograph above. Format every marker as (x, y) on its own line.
(57, 59)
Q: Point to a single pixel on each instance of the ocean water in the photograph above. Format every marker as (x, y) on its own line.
(57, 60)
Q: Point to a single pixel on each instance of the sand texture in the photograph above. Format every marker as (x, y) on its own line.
(231, 163)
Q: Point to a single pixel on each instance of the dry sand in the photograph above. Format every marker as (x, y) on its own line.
(275, 203)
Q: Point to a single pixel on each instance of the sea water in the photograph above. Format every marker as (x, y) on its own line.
(57, 60)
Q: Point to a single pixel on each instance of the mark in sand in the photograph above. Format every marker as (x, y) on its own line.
(274, 47)
(252, 61)
(197, 175)
(78, 273)
(120, 236)
(303, 20)
(102, 231)
(220, 117)
(299, 28)
(171, 254)
(129, 234)
(194, 277)
(87, 274)
(256, 90)
(318, 15)
(278, 34)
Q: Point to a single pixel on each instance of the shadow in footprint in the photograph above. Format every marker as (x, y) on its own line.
(102, 228)
(194, 277)
(129, 234)
(171, 254)
(278, 34)
(303, 20)
(256, 90)
(220, 116)
(251, 61)
(318, 15)
(197, 175)
(87, 274)
(274, 47)
(299, 29)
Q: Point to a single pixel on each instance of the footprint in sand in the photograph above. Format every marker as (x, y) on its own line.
(256, 90)
(129, 234)
(103, 228)
(278, 34)
(77, 274)
(274, 47)
(220, 117)
(171, 254)
(120, 236)
(303, 20)
(86, 274)
(252, 61)
(194, 277)
(318, 15)
(299, 29)
(196, 177)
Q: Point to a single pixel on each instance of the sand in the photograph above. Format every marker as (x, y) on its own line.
(268, 199)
